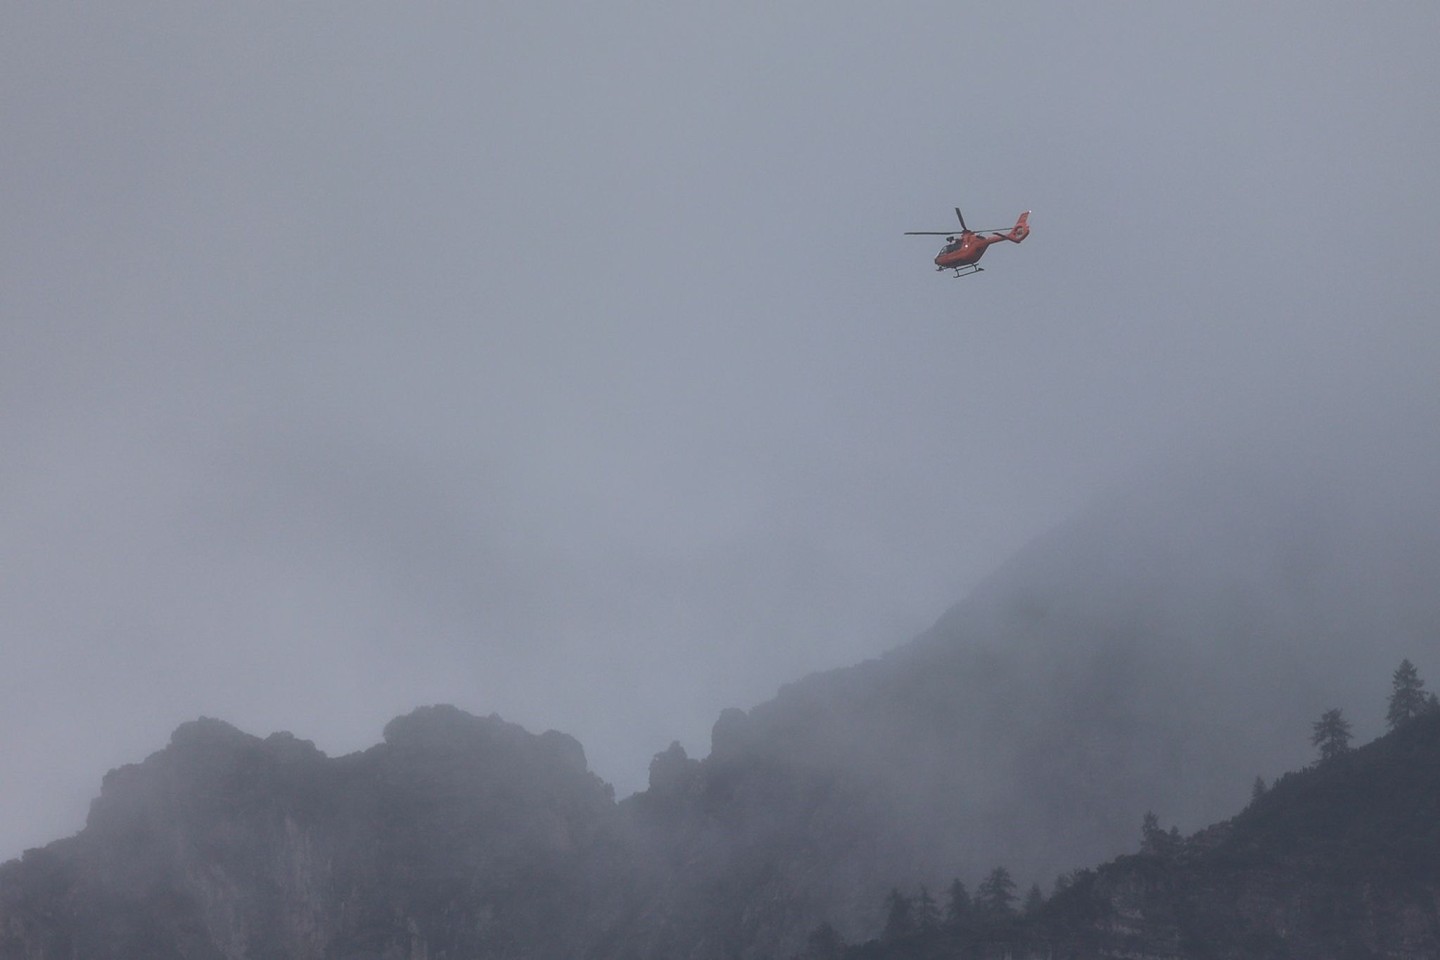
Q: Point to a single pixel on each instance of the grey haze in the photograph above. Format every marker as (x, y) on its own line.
(567, 361)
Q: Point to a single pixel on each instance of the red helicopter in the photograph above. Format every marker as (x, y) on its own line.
(963, 251)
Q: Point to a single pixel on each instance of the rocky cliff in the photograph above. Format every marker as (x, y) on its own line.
(467, 837)
(457, 836)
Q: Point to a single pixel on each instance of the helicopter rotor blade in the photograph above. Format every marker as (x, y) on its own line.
(948, 233)
(962, 219)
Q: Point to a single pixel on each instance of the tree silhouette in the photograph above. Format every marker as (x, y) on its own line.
(1257, 789)
(1155, 841)
(1152, 838)
(1064, 881)
(899, 916)
(927, 913)
(1331, 733)
(957, 906)
(996, 894)
(1407, 696)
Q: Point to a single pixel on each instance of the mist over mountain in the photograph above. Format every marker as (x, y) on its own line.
(1157, 653)
(1339, 860)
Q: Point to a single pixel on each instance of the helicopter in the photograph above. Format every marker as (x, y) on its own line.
(962, 251)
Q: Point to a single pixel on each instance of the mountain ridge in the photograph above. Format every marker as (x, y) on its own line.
(1156, 653)
(1337, 861)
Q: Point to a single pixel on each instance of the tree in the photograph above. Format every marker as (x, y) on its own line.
(1152, 838)
(1155, 841)
(1064, 882)
(927, 914)
(1034, 900)
(1331, 733)
(1407, 696)
(996, 894)
(1257, 790)
(899, 916)
(957, 906)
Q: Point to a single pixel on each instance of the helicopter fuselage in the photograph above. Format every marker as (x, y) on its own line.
(965, 250)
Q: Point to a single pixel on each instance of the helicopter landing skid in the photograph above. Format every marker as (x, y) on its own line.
(964, 271)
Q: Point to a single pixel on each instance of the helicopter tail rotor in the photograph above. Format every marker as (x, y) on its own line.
(1021, 230)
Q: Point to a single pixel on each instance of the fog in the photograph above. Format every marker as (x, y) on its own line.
(569, 362)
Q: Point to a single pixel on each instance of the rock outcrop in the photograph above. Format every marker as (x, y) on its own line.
(468, 837)
(457, 836)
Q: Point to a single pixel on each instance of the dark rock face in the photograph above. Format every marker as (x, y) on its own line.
(1157, 654)
(467, 837)
(457, 836)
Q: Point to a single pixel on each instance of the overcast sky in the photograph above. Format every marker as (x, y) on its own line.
(568, 361)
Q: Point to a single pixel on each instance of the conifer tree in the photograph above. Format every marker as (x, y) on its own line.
(957, 906)
(899, 916)
(1257, 789)
(1407, 696)
(1331, 733)
(1158, 842)
(927, 913)
(1034, 900)
(995, 897)
(1152, 838)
